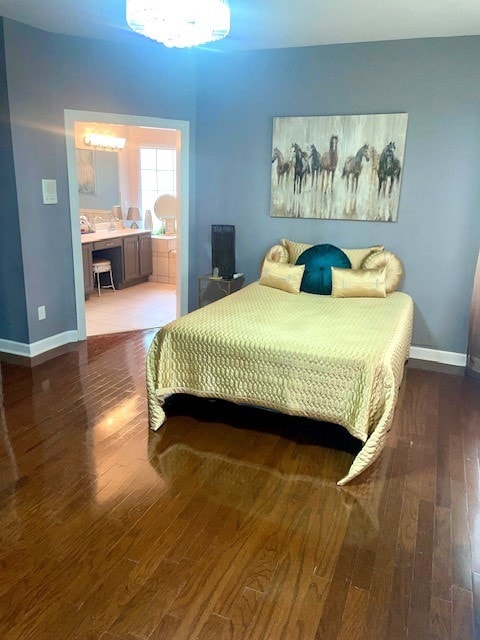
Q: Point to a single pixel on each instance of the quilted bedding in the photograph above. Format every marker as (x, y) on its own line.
(337, 360)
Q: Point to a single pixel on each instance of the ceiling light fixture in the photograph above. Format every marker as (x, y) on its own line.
(104, 142)
(179, 23)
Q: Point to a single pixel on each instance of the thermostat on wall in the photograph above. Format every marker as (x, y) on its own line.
(49, 191)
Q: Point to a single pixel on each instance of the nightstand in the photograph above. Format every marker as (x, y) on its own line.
(211, 289)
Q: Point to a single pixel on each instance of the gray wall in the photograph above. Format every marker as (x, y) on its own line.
(230, 100)
(107, 190)
(13, 317)
(48, 73)
(437, 81)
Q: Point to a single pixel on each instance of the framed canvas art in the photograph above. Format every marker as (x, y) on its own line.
(85, 171)
(338, 167)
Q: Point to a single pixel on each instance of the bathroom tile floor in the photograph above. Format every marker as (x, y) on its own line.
(144, 306)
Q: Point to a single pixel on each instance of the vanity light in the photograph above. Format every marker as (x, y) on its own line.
(104, 142)
(182, 23)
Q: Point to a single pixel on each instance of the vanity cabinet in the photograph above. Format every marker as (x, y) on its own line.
(131, 259)
(130, 255)
(145, 251)
(87, 268)
(137, 257)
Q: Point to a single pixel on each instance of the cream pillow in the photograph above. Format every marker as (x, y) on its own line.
(358, 283)
(277, 253)
(295, 249)
(392, 265)
(286, 277)
(357, 256)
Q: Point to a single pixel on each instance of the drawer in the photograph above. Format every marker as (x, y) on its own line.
(107, 244)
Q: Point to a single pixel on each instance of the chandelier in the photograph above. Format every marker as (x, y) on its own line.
(179, 23)
(104, 142)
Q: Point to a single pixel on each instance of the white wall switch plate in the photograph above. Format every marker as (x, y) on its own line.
(49, 191)
(41, 313)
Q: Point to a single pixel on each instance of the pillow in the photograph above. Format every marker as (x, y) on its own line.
(286, 277)
(295, 249)
(392, 265)
(277, 253)
(357, 256)
(318, 261)
(358, 283)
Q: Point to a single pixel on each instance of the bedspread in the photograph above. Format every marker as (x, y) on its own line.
(337, 360)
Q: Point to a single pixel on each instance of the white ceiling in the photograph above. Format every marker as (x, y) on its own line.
(265, 24)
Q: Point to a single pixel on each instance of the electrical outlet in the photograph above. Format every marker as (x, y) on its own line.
(41, 313)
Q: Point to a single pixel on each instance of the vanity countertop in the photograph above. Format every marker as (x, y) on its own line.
(164, 236)
(104, 234)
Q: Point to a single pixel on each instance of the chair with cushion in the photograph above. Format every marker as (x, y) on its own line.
(102, 266)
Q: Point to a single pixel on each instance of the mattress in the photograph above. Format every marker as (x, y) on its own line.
(337, 360)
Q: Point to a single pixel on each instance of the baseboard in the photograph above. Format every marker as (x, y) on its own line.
(435, 355)
(39, 347)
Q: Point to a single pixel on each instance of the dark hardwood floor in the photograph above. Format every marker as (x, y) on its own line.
(228, 523)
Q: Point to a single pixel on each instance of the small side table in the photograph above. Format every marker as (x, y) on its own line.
(211, 289)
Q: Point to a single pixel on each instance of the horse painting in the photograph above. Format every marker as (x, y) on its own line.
(321, 169)
(353, 166)
(314, 164)
(389, 169)
(300, 165)
(374, 158)
(328, 164)
(283, 166)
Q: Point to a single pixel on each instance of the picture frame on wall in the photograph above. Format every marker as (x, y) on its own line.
(338, 167)
(86, 171)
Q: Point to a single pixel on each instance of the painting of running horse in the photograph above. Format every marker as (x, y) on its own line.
(283, 166)
(388, 169)
(353, 166)
(328, 164)
(338, 167)
(301, 166)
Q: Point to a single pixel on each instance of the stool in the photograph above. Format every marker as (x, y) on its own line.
(102, 266)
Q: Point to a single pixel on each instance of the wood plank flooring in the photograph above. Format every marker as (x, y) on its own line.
(227, 523)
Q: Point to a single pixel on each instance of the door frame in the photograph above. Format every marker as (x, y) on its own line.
(72, 116)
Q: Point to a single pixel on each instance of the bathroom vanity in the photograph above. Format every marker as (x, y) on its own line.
(129, 250)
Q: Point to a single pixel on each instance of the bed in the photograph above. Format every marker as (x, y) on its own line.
(336, 360)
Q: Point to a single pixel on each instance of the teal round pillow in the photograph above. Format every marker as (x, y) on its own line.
(318, 261)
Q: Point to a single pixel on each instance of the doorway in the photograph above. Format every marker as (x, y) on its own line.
(182, 131)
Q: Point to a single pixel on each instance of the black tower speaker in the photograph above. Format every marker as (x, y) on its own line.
(223, 250)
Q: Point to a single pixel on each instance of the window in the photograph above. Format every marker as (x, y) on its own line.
(158, 176)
